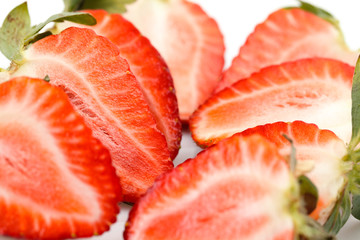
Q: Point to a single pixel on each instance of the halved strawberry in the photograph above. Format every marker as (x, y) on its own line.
(148, 67)
(240, 188)
(312, 90)
(287, 35)
(104, 91)
(319, 155)
(56, 179)
(190, 42)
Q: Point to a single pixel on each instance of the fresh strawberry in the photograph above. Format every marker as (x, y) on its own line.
(240, 188)
(190, 42)
(56, 179)
(104, 91)
(312, 90)
(287, 35)
(319, 155)
(148, 67)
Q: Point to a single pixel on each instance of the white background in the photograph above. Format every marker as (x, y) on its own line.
(236, 18)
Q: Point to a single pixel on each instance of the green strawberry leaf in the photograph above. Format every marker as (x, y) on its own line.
(340, 213)
(37, 37)
(16, 32)
(309, 193)
(355, 210)
(72, 5)
(355, 109)
(313, 230)
(111, 6)
(83, 18)
(13, 32)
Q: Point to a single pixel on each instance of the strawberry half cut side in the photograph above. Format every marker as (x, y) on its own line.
(148, 67)
(56, 180)
(319, 155)
(312, 90)
(104, 91)
(190, 42)
(240, 188)
(287, 35)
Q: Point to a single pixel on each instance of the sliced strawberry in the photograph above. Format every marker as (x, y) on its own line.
(240, 188)
(149, 69)
(312, 90)
(190, 42)
(56, 179)
(104, 91)
(319, 155)
(287, 35)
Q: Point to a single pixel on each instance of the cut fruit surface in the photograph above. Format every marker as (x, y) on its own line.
(319, 155)
(190, 42)
(104, 91)
(312, 90)
(56, 180)
(237, 189)
(287, 35)
(148, 67)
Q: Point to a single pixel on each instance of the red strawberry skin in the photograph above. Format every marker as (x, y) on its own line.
(56, 179)
(217, 195)
(311, 90)
(103, 90)
(287, 35)
(319, 155)
(191, 43)
(149, 69)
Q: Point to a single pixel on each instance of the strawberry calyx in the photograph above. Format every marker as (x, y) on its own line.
(303, 193)
(16, 32)
(298, 206)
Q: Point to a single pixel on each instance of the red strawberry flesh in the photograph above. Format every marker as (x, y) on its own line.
(190, 42)
(287, 35)
(233, 190)
(312, 90)
(104, 91)
(57, 180)
(149, 69)
(319, 155)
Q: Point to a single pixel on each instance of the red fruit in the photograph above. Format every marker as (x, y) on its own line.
(190, 42)
(240, 188)
(287, 35)
(149, 69)
(56, 179)
(319, 155)
(104, 91)
(312, 90)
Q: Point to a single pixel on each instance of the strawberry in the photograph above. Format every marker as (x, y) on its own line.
(312, 90)
(104, 91)
(148, 67)
(287, 35)
(190, 42)
(319, 155)
(56, 179)
(240, 188)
